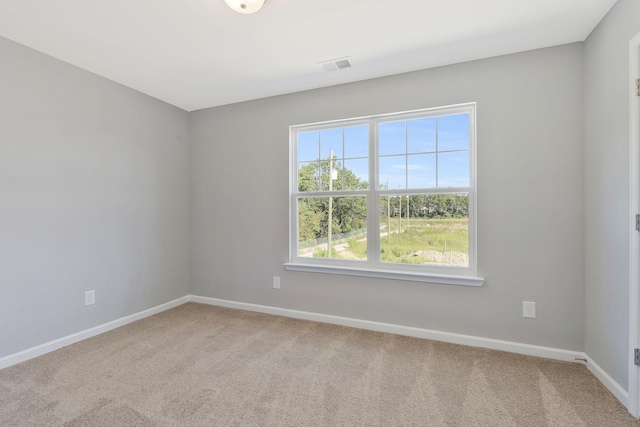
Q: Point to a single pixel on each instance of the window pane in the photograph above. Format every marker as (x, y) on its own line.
(425, 229)
(421, 166)
(308, 176)
(421, 170)
(453, 169)
(348, 227)
(308, 148)
(453, 132)
(393, 172)
(392, 138)
(331, 139)
(421, 135)
(355, 174)
(356, 141)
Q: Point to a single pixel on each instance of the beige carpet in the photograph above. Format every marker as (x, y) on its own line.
(199, 365)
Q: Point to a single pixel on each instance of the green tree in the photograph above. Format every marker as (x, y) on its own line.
(309, 224)
(349, 213)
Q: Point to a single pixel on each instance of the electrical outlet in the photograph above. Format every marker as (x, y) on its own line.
(89, 298)
(529, 309)
(276, 282)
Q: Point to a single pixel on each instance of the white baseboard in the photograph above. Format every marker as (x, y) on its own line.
(616, 389)
(513, 347)
(39, 350)
(527, 349)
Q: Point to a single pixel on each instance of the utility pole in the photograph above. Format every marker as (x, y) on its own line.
(330, 203)
(388, 215)
(399, 212)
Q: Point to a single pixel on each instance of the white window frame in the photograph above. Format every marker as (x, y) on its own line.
(373, 267)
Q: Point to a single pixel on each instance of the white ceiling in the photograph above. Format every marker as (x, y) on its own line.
(199, 53)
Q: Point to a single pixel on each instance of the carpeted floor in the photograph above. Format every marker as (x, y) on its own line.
(200, 365)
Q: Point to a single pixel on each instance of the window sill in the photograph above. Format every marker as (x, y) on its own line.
(414, 276)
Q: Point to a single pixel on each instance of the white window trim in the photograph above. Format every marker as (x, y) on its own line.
(412, 276)
(466, 276)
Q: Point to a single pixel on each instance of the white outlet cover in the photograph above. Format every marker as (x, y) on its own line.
(276, 282)
(529, 309)
(89, 298)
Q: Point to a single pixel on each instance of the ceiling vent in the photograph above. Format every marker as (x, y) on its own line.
(335, 64)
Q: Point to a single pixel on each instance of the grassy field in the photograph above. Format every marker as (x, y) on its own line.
(413, 243)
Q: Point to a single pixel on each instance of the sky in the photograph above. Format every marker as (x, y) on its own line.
(430, 152)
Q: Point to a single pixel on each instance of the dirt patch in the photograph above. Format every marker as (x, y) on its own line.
(458, 259)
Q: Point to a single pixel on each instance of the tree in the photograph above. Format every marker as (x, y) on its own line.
(349, 213)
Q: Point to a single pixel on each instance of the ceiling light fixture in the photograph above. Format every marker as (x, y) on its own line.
(245, 6)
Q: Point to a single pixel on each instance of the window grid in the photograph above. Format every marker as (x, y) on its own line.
(319, 161)
(374, 191)
(407, 154)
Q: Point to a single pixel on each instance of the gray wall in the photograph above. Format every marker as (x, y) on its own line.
(530, 209)
(94, 194)
(607, 218)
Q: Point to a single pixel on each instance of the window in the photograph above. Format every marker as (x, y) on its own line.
(386, 196)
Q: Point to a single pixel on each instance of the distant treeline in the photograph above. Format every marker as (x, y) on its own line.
(350, 213)
(426, 206)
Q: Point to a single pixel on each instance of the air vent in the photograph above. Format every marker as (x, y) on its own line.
(335, 64)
